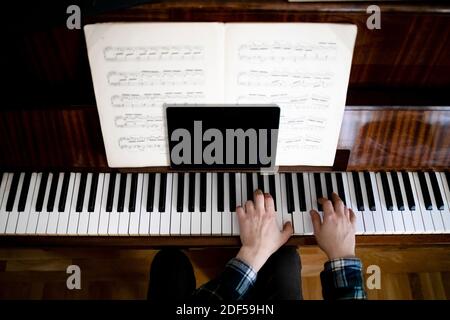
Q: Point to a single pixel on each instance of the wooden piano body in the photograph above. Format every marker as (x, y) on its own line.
(397, 115)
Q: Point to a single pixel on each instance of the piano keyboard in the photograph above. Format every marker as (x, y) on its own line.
(161, 204)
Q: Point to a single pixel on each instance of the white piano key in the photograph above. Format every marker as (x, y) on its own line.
(133, 228)
(206, 216)
(416, 214)
(387, 215)
(113, 225)
(144, 219)
(369, 223)
(63, 220)
(44, 215)
(445, 185)
(3, 213)
(196, 216)
(175, 216)
(408, 219)
(124, 216)
(164, 223)
(104, 215)
(378, 213)
(14, 214)
(435, 213)
(426, 214)
(226, 215)
(216, 216)
(359, 218)
(307, 222)
(155, 215)
(396, 214)
(186, 215)
(52, 225)
(24, 216)
(445, 194)
(234, 217)
(34, 216)
(74, 215)
(297, 216)
(83, 220)
(94, 217)
(286, 216)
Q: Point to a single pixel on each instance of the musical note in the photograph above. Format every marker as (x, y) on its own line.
(284, 79)
(140, 143)
(138, 121)
(155, 99)
(156, 53)
(157, 77)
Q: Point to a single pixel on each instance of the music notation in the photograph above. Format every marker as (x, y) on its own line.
(140, 143)
(157, 77)
(287, 51)
(138, 121)
(172, 53)
(303, 101)
(285, 79)
(155, 99)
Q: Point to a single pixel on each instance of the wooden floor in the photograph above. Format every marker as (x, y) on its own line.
(406, 273)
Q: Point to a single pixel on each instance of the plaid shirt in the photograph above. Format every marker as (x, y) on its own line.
(341, 279)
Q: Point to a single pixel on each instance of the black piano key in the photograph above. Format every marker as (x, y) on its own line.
(340, 186)
(386, 191)
(180, 192)
(447, 176)
(12, 192)
(301, 191)
(24, 192)
(81, 191)
(261, 182)
(318, 187)
(220, 193)
(408, 191)
(203, 192)
(328, 184)
(424, 189)
(250, 189)
(358, 191)
(436, 191)
(93, 192)
(272, 189)
(111, 187)
(41, 192)
(191, 204)
(397, 191)
(162, 193)
(133, 193)
(122, 190)
(232, 178)
(150, 192)
(289, 193)
(52, 194)
(369, 191)
(64, 190)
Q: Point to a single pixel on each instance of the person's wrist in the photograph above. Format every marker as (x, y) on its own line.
(341, 255)
(254, 257)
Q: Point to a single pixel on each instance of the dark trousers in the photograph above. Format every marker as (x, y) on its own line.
(172, 277)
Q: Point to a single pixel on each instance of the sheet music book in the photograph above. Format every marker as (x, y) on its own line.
(304, 68)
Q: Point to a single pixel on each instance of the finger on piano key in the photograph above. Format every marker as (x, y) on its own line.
(368, 219)
(155, 215)
(414, 214)
(328, 184)
(297, 217)
(95, 201)
(196, 216)
(226, 214)
(445, 212)
(307, 222)
(435, 212)
(286, 216)
(136, 179)
(216, 218)
(238, 196)
(13, 216)
(124, 215)
(396, 215)
(177, 203)
(377, 213)
(83, 220)
(353, 204)
(113, 224)
(43, 215)
(185, 215)
(166, 196)
(65, 202)
(206, 214)
(408, 220)
(53, 207)
(24, 215)
(426, 214)
(261, 182)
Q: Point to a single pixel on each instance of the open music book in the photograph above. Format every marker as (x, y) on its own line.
(302, 67)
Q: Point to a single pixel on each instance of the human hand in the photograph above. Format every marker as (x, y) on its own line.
(260, 235)
(336, 234)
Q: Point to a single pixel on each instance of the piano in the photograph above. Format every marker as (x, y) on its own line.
(391, 168)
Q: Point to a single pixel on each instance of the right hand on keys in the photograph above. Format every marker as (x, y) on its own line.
(336, 233)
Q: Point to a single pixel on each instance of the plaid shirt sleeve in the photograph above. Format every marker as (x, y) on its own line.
(233, 284)
(342, 279)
